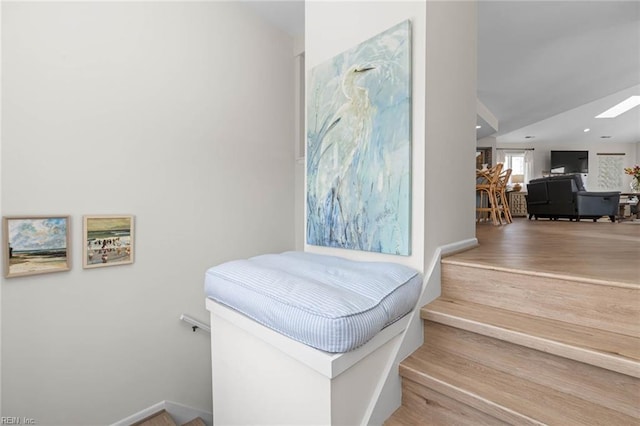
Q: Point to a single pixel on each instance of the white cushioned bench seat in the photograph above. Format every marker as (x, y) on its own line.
(327, 302)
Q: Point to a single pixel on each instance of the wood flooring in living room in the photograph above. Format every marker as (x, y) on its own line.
(598, 251)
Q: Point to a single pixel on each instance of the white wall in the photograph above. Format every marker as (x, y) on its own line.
(1, 252)
(542, 157)
(444, 136)
(178, 113)
(451, 99)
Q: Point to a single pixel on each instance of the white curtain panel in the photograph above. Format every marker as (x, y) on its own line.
(528, 166)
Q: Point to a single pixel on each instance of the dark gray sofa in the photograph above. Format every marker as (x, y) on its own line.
(564, 196)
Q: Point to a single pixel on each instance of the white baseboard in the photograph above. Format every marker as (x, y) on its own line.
(141, 414)
(180, 413)
(183, 414)
(457, 246)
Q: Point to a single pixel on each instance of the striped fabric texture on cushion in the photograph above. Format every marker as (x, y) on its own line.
(327, 302)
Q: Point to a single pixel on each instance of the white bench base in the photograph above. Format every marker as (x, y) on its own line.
(262, 377)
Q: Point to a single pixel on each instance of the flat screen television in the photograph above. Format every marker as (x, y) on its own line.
(569, 161)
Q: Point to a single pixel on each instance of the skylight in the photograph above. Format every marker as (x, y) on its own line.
(622, 107)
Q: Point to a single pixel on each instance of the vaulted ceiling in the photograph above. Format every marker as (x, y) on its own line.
(545, 68)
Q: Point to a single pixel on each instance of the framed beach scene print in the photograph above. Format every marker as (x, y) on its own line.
(107, 240)
(36, 245)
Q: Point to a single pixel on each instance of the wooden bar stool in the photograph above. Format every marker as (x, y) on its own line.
(487, 185)
(501, 192)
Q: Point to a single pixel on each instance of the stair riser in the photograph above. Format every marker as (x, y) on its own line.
(459, 394)
(586, 355)
(596, 385)
(614, 308)
(433, 408)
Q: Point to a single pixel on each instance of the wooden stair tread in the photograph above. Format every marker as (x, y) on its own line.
(616, 352)
(509, 398)
(195, 422)
(533, 272)
(403, 416)
(576, 250)
(161, 418)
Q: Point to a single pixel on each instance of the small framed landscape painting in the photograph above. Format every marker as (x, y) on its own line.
(107, 240)
(36, 245)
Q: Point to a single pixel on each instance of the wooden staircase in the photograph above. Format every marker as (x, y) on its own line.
(163, 418)
(524, 348)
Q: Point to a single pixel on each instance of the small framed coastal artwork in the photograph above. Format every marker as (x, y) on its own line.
(36, 245)
(107, 240)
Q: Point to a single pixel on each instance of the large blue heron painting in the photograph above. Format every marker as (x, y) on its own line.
(359, 146)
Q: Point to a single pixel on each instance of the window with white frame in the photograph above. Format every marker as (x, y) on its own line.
(520, 162)
(515, 162)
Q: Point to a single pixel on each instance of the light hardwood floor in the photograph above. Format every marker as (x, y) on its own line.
(592, 250)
